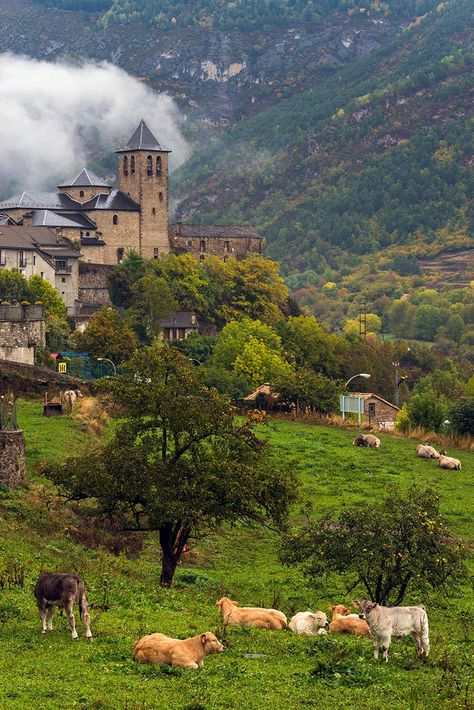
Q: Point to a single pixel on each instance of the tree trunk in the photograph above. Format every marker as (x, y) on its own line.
(173, 538)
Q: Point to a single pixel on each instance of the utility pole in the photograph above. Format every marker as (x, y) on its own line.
(397, 394)
(363, 320)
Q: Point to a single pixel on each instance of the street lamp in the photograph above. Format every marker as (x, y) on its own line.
(365, 375)
(195, 361)
(106, 359)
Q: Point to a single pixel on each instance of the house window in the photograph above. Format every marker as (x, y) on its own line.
(3, 257)
(149, 165)
(202, 245)
(115, 219)
(132, 165)
(42, 274)
(125, 165)
(156, 253)
(81, 193)
(63, 280)
(34, 260)
(227, 247)
(158, 165)
(23, 260)
(120, 253)
(61, 264)
(160, 196)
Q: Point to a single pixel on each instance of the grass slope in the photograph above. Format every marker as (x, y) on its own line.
(284, 670)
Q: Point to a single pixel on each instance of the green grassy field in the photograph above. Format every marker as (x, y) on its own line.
(258, 669)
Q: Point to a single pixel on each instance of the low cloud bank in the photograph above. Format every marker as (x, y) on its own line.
(56, 117)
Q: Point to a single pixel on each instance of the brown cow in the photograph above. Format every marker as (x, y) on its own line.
(187, 653)
(62, 590)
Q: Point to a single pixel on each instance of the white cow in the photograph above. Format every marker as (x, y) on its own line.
(68, 399)
(308, 623)
(385, 622)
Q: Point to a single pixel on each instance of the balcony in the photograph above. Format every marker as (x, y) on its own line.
(63, 268)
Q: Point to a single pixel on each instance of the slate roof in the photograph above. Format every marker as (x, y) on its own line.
(86, 178)
(224, 231)
(369, 395)
(40, 200)
(48, 218)
(55, 201)
(180, 319)
(115, 200)
(34, 238)
(142, 139)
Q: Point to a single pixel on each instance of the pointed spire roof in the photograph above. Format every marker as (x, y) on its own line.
(86, 178)
(142, 139)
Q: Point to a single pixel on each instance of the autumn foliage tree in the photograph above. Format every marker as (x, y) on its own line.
(107, 335)
(179, 463)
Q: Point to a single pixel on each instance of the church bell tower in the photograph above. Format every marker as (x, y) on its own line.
(143, 176)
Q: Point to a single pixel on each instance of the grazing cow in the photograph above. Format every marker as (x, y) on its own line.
(448, 462)
(190, 653)
(233, 615)
(62, 590)
(368, 440)
(385, 622)
(68, 399)
(426, 452)
(345, 623)
(308, 623)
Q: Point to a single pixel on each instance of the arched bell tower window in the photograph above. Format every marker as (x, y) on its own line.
(115, 219)
(125, 165)
(158, 165)
(120, 254)
(149, 165)
(132, 165)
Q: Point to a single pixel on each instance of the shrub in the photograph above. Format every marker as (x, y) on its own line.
(427, 410)
(462, 416)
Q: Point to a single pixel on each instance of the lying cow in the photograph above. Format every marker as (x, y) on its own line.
(345, 623)
(233, 615)
(448, 462)
(368, 440)
(62, 590)
(190, 653)
(385, 622)
(308, 623)
(426, 452)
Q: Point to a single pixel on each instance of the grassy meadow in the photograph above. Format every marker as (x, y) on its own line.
(259, 669)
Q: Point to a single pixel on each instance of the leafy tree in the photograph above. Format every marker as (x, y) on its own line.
(257, 363)
(41, 290)
(308, 389)
(232, 340)
(374, 325)
(152, 301)
(107, 335)
(401, 318)
(13, 286)
(428, 320)
(310, 345)
(462, 416)
(389, 547)
(427, 410)
(179, 464)
(124, 276)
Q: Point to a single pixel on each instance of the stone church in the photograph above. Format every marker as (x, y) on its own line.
(105, 223)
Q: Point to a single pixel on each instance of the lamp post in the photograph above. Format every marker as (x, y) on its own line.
(106, 359)
(365, 375)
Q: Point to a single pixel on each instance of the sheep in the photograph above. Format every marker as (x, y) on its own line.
(448, 462)
(426, 452)
(368, 440)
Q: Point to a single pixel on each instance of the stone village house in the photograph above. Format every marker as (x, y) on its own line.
(96, 224)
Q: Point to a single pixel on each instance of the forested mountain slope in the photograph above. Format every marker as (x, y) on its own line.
(378, 156)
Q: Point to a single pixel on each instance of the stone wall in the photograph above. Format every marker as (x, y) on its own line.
(88, 192)
(223, 246)
(93, 284)
(12, 459)
(124, 235)
(383, 411)
(22, 328)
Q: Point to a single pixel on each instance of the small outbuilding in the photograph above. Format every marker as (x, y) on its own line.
(377, 411)
(179, 326)
(262, 398)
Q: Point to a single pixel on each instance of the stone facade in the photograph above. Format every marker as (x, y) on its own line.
(222, 241)
(377, 411)
(22, 328)
(93, 288)
(120, 231)
(12, 459)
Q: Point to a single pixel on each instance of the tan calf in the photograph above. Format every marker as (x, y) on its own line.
(233, 615)
(343, 623)
(190, 653)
